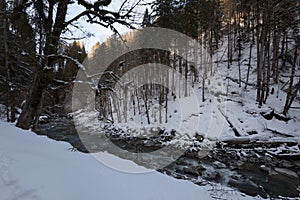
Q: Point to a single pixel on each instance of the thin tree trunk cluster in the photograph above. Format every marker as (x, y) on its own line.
(145, 93)
(263, 23)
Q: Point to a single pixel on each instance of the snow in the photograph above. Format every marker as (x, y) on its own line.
(243, 111)
(35, 168)
(226, 107)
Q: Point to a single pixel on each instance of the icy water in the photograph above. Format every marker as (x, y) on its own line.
(253, 173)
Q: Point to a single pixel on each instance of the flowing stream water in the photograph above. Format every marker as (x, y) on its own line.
(253, 173)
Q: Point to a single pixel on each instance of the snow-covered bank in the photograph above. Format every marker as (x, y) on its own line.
(34, 167)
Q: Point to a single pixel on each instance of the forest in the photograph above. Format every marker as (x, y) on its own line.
(268, 28)
(222, 86)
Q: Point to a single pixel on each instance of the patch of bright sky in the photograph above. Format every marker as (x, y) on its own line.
(99, 33)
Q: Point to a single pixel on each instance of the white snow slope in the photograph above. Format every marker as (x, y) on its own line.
(35, 167)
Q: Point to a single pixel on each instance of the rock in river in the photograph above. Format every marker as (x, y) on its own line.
(287, 172)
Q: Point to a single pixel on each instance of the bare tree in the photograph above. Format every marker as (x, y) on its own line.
(293, 89)
(53, 23)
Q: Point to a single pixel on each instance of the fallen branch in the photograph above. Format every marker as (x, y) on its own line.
(237, 132)
(278, 133)
(237, 81)
(292, 107)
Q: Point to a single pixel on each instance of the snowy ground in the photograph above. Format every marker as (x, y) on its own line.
(243, 111)
(223, 99)
(226, 107)
(228, 114)
(34, 167)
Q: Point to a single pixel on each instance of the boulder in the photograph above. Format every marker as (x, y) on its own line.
(287, 172)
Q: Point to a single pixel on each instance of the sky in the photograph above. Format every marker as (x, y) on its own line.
(99, 33)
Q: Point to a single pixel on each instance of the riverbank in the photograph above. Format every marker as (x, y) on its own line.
(267, 169)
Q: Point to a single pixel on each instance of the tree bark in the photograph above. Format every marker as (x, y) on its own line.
(292, 92)
(250, 59)
(275, 56)
(43, 76)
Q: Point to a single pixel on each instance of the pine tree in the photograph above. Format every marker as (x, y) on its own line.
(146, 19)
(76, 51)
(17, 55)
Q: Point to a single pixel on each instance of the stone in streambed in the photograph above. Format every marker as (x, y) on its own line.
(287, 172)
(219, 165)
(269, 170)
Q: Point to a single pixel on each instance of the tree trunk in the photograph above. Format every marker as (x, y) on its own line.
(249, 63)
(30, 108)
(203, 89)
(275, 56)
(291, 94)
(258, 66)
(267, 84)
(186, 72)
(146, 104)
(239, 56)
(229, 51)
(43, 76)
